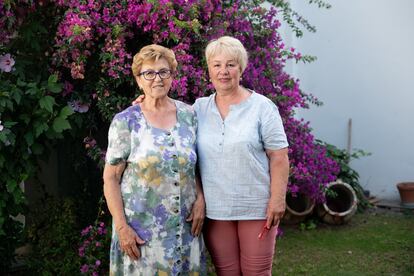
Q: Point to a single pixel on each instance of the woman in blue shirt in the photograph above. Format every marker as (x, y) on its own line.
(244, 166)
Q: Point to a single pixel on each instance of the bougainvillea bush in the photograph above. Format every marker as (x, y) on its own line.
(66, 71)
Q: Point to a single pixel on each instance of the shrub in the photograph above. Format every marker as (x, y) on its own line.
(54, 237)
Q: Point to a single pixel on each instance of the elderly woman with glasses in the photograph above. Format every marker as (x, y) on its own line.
(149, 178)
(244, 166)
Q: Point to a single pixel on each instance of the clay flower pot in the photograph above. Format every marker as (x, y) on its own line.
(297, 208)
(340, 209)
(406, 190)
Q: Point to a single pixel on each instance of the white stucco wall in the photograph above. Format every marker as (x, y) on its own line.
(364, 72)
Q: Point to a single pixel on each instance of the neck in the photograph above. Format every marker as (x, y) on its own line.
(230, 96)
(155, 104)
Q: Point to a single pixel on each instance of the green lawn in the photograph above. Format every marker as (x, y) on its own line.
(373, 243)
(377, 242)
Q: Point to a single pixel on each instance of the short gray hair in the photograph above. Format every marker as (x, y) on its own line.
(228, 45)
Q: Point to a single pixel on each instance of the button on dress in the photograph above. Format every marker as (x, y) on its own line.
(158, 190)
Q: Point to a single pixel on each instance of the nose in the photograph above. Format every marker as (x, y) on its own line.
(157, 75)
(224, 70)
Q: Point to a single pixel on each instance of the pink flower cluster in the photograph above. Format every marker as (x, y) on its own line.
(90, 249)
(96, 40)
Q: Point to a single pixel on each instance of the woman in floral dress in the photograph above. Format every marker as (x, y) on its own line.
(149, 178)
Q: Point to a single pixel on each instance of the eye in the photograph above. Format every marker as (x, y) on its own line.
(231, 65)
(165, 73)
(149, 74)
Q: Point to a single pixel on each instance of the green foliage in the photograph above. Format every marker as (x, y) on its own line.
(346, 173)
(32, 119)
(292, 18)
(54, 235)
(308, 225)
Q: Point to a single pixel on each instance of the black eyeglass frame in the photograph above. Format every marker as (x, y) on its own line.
(156, 73)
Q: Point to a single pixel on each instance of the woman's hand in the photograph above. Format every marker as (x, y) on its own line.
(198, 213)
(129, 241)
(138, 100)
(275, 211)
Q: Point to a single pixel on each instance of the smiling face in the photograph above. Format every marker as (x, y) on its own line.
(156, 88)
(224, 72)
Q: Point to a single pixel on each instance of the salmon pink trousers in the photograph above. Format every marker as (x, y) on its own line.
(236, 249)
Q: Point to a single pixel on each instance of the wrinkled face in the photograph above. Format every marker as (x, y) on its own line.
(160, 85)
(224, 72)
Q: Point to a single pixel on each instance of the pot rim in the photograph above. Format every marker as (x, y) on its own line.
(405, 185)
(354, 204)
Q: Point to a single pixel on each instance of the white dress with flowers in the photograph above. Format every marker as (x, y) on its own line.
(158, 190)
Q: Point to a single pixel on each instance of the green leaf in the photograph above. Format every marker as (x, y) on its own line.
(52, 79)
(32, 84)
(40, 128)
(17, 96)
(29, 138)
(52, 84)
(60, 124)
(54, 88)
(9, 124)
(21, 83)
(47, 103)
(11, 185)
(32, 91)
(65, 112)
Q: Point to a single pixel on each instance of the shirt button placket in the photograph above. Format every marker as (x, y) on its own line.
(176, 198)
(221, 144)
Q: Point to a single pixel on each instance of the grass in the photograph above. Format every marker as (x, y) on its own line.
(373, 243)
(376, 242)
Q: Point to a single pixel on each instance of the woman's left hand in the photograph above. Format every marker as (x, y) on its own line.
(198, 213)
(275, 211)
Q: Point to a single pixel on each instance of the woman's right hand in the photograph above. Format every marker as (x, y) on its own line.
(138, 100)
(129, 241)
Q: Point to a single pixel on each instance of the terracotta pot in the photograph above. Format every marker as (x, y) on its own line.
(340, 209)
(406, 190)
(297, 208)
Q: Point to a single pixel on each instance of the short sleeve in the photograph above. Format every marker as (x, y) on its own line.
(119, 141)
(272, 131)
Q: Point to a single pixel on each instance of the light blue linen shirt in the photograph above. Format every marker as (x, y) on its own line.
(233, 163)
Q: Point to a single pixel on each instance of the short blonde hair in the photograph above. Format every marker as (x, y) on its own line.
(153, 52)
(228, 45)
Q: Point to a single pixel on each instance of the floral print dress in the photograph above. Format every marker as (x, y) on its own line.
(158, 190)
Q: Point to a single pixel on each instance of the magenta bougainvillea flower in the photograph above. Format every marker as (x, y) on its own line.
(95, 41)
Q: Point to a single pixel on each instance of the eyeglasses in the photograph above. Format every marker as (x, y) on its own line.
(151, 75)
